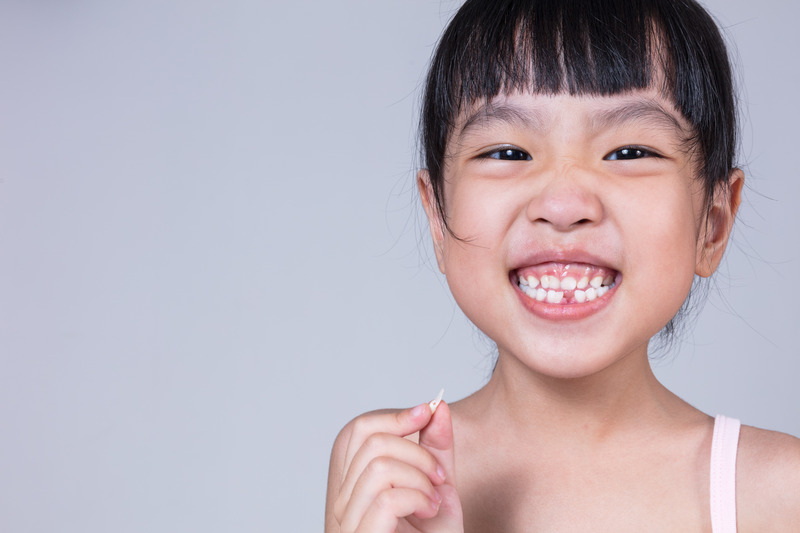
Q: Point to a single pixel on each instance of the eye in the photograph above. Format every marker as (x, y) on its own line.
(508, 154)
(629, 152)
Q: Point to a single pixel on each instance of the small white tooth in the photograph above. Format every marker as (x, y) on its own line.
(591, 293)
(554, 297)
(433, 404)
(596, 281)
(532, 281)
(569, 284)
(608, 281)
(545, 280)
(541, 294)
(529, 291)
(580, 296)
(601, 291)
(522, 281)
(583, 283)
(555, 283)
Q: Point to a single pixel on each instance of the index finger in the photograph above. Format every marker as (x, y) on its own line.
(400, 423)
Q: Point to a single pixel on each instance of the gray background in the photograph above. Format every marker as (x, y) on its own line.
(212, 255)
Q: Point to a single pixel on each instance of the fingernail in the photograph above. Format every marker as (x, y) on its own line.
(418, 410)
(437, 500)
(440, 471)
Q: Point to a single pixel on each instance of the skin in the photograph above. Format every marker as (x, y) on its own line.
(572, 432)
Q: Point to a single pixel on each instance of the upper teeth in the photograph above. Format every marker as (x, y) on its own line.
(569, 284)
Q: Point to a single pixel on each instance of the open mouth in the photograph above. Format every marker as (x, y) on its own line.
(566, 283)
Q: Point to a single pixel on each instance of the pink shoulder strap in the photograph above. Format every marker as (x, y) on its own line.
(724, 445)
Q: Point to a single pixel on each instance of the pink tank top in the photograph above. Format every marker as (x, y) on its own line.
(724, 445)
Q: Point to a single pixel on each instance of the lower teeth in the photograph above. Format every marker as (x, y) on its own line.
(561, 297)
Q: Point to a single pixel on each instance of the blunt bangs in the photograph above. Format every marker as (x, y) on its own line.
(583, 47)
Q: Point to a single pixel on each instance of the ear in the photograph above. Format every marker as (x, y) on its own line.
(717, 231)
(435, 222)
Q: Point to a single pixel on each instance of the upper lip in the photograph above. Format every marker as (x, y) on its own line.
(541, 254)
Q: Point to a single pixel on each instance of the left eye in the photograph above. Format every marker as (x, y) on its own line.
(629, 152)
(509, 154)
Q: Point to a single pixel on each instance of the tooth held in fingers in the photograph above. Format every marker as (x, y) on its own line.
(435, 403)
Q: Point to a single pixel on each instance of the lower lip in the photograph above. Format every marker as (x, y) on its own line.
(559, 312)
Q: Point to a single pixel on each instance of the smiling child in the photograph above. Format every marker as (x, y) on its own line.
(579, 173)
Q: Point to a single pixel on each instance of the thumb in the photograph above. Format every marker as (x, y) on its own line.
(437, 438)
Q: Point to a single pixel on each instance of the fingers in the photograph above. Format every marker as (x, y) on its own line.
(384, 446)
(398, 423)
(391, 505)
(386, 476)
(376, 488)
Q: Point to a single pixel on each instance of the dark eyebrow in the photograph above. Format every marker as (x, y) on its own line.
(642, 110)
(503, 113)
(646, 110)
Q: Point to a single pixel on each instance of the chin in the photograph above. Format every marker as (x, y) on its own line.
(571, 360)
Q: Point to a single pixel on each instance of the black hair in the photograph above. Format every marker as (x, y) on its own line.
(583, 47)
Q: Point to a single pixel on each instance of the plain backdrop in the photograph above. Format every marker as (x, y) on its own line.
(211, 254)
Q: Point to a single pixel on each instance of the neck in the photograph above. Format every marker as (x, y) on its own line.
(620, 397)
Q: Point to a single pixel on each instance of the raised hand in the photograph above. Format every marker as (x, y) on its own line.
(382, 481)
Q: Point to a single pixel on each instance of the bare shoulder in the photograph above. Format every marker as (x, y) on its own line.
(768, 481)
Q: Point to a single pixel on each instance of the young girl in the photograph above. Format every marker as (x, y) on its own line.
(578, 175)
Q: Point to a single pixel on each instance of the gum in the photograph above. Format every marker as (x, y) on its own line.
(564, 270)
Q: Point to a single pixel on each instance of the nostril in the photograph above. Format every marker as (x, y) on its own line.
(565, 210)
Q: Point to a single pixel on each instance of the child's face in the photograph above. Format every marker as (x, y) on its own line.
(598, 193)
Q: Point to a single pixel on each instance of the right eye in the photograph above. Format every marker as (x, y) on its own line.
(508, 154)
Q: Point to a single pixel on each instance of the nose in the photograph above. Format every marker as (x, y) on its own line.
(568, 200)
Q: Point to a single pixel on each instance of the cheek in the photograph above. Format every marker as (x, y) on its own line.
(479, 220)
(474, 257)
(467, 207)
(666, 245)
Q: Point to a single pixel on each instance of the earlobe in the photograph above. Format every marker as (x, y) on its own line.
(719, 224)
(435, 222)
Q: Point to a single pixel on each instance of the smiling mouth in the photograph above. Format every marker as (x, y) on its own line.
(566, 283)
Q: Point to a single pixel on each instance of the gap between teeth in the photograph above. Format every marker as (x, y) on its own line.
(552, 290)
